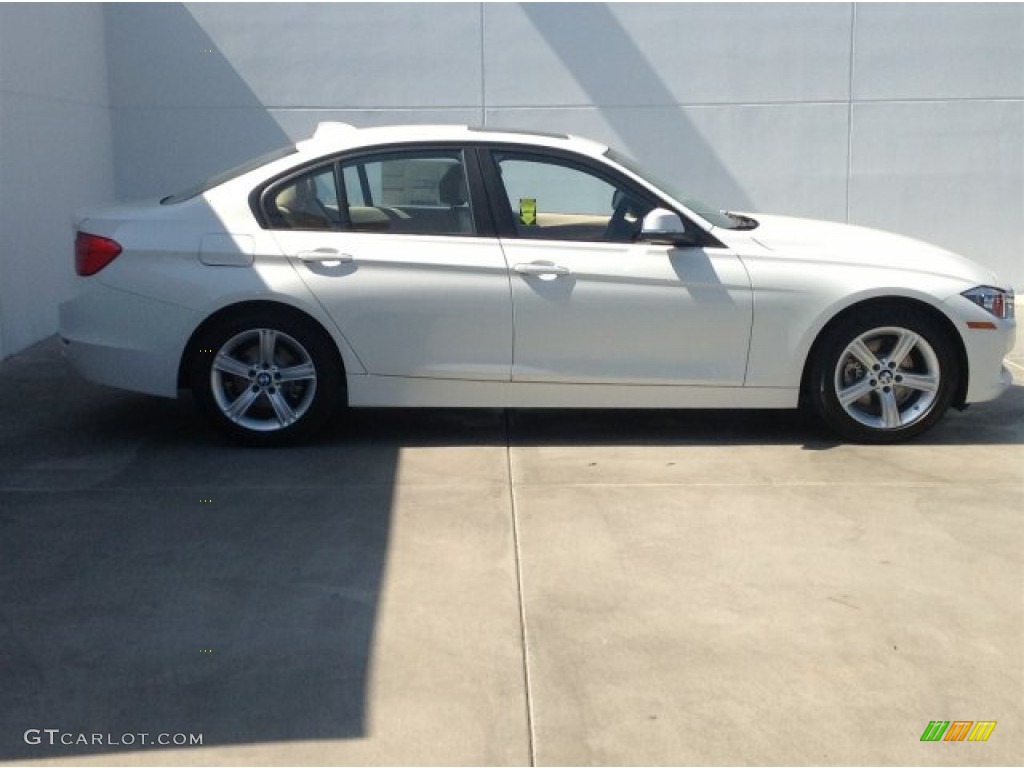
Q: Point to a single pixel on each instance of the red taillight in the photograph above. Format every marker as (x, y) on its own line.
(93, 253)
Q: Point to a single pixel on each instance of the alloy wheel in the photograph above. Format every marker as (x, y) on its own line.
(263, 380)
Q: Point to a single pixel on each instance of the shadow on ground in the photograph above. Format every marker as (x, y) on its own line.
(156, 579)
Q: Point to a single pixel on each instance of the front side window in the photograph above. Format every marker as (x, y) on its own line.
(421, 192)
(557, 200)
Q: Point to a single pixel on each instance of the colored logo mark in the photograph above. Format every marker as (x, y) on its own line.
(958, 730)
(528, 211)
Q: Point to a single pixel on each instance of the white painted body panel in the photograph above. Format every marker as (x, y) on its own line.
(413, 305)
(629, 314)
(399, 391)
(806, 272)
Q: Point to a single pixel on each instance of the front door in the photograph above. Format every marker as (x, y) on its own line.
(592, 305)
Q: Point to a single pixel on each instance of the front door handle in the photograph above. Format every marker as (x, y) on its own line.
(548, 271)
(329, 257)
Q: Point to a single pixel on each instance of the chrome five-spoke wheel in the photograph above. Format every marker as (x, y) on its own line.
(887, 378)
(883, 375)
(268, 378)
(263, 379)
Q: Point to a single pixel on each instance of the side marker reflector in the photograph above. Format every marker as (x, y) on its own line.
(981, 325)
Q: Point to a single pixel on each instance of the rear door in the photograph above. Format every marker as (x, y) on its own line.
(402, 257)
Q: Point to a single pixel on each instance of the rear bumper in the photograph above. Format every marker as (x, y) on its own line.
(124, 340)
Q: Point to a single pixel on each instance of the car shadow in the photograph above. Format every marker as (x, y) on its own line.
(997, 423)
(1000, 422)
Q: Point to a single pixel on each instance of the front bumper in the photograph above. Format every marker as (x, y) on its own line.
(986, 348)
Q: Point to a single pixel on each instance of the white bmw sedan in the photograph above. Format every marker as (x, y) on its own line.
(451, 266)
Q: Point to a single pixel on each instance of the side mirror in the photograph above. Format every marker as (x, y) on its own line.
(663, 227)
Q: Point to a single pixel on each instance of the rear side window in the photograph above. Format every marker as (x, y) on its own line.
(420, 192)
(416, 192)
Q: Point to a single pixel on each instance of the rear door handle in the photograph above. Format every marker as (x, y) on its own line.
(541, 270)
(329, 257)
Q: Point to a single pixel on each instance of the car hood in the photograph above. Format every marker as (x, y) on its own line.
(824, 241)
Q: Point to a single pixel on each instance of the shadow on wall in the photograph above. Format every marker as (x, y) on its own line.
(623, 86)
(173, 93)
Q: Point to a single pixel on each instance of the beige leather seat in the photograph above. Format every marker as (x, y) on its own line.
(300, 206)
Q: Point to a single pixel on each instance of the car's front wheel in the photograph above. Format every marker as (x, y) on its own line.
(266, 378)
(883, 376)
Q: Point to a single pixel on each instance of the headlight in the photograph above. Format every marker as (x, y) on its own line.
(995, 300)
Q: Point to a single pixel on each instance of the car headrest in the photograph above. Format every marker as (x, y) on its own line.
(452, 187)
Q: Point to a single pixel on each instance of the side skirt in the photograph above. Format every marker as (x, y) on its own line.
(403, 392)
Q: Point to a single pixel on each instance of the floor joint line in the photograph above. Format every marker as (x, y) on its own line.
(519, 586)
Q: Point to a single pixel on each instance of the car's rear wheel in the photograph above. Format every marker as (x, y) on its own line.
(267, 378)
(883, 375)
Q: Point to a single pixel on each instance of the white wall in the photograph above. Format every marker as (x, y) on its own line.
(275, 70)
(55, 156)
(908, 117)
(938, 127)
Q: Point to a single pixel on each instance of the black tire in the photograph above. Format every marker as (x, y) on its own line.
(267, 378)
(883, 374)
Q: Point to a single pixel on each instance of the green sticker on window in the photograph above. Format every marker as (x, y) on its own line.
(528, 211)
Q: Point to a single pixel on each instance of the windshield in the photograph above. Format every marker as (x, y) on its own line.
(715, 216)
(228, 175)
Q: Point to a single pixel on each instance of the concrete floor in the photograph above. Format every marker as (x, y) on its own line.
(483, 587)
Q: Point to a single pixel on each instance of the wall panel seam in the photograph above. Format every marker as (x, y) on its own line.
(483, 71)
(849, 109)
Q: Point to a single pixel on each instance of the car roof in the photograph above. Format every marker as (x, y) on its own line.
(336, 136)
